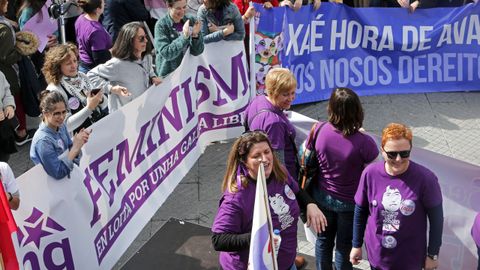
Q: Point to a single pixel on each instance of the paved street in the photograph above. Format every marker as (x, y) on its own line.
(446, 123)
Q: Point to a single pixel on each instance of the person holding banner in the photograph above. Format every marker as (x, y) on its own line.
(93, 40)
(61, 71)
(342, 152)
(174, 34)
(51, 144)
(233, 223)
(393, 201)
(267, 113)
(9, 185)
(130, 72)
(476, 236)
(221, 20)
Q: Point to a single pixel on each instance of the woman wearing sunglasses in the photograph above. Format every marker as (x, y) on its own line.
(233, 223)
(130, 72)
(393, 201)
(51, 144)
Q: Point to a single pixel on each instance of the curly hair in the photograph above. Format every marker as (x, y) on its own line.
(54, 59)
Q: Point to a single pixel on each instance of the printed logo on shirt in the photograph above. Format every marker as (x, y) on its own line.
(60, 144)
(391, 201)
(73, 103)
(282, 210)
(394, 207)
(407, 208)
(389, 241)
(289, 192)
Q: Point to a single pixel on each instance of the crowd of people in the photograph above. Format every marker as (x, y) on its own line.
(112, 59)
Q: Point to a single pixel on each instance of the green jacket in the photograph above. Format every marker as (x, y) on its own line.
(8, 57)
(170, 46)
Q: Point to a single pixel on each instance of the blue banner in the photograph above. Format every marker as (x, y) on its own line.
(371, 50)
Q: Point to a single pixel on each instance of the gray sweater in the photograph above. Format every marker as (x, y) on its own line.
(6, 98)
(135, 76)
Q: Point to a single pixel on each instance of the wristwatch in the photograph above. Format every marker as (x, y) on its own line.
(11, 197)
(433, 257)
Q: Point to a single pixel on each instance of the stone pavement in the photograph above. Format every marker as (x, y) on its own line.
(446, 123)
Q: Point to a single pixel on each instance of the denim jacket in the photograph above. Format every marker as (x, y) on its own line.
(50, 148)
(230, 15)
(171, 45)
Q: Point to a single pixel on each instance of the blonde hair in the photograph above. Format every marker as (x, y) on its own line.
(279, 81)
(238, 155)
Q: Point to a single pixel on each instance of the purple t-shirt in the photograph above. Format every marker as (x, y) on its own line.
(342, 160)
(278, 128)
(235, 215)
(91, 36)
(476, 230)
(396, 232)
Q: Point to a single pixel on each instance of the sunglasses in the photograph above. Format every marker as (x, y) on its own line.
(394, 154)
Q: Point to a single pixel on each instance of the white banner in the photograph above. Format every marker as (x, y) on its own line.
(134, 159)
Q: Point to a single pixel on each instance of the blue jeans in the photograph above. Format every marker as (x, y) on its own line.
(293, 267)
(340, 226)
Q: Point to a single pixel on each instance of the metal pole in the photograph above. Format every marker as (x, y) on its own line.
(61, 21)
(253, 81)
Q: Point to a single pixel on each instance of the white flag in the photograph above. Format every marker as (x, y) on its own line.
(262, 255)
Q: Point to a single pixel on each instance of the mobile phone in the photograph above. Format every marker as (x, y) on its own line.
(95, 91)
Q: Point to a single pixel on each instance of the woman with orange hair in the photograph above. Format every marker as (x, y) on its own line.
(393, 201)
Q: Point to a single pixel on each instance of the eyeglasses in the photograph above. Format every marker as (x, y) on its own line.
(394, 154)
(58, 114)
(142, 39)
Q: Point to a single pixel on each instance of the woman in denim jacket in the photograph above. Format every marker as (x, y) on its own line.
(51, 144)
(174, 33)
(221, 20)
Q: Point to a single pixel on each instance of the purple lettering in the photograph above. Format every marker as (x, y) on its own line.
(232, 92)
(188, 99)
(32, 258)
(175, 119)
(64, 249)
(94, 196)
(203, 88)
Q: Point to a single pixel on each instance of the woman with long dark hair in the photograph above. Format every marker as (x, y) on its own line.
(342, 152)
(233, 223)
(130, 72)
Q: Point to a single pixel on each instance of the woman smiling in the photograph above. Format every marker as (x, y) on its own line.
(51, 144)
(393, 201)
